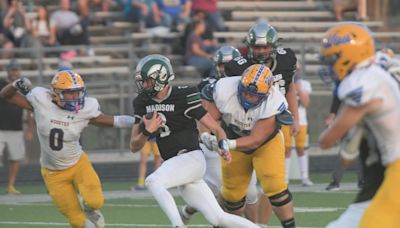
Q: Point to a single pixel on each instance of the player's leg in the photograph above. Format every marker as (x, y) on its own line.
(198, 195)
(288, 149)
(212, 177)
(264, 210)
(144, 155)
(156, 154)
(236, 177)
(302, 157)
(89, 186)
(16, 152)
(176, 171)
(269, 163)
(385, 206)
(351, 217)
(61, 189)
(251, 208)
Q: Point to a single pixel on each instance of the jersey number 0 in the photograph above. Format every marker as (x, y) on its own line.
(56, 139)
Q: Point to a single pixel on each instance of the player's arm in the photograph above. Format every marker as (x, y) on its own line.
(121, 121)
(292, 103)
(259, 134)
(140, 135)
(222, 142)
(11, 93)
(347, 118)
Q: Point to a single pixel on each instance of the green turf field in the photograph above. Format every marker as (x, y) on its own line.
(314, 207)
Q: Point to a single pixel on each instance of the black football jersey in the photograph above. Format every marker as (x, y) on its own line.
(179, 111)
(283, 68)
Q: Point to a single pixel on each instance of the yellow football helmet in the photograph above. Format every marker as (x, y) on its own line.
(256, 81)
(68, 81)
(344, 46)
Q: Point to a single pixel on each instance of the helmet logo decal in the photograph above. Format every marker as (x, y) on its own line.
(336, 40)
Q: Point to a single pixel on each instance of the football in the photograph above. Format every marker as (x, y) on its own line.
(149, 115)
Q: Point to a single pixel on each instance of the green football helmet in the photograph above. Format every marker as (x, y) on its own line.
(222, 56)
(261, 35)
(156, 67)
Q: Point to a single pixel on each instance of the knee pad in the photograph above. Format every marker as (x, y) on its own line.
(277, 201)
(234, 206)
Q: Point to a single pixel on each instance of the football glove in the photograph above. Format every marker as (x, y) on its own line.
(210, 141)
(22, 84)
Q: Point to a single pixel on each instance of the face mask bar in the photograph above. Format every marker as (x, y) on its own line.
(72, 104)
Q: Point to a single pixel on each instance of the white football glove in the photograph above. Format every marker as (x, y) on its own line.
(23, 84)
(210, 141)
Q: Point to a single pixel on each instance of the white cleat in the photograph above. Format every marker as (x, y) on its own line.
(95, 216)
(307, 182)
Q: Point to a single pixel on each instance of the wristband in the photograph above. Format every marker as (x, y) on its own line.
(147, 133)
(232, 144)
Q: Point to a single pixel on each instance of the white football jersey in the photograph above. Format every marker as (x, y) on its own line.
(372, 82)
(306, 87)
(234, 115)
(59, 130)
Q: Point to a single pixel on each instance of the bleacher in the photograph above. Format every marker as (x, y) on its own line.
(301, 24)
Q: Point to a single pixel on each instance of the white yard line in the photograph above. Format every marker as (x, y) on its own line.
(108, 224)
(296, 209)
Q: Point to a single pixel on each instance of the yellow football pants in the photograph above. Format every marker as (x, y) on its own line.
(150, 147)
(384, 210)
(63, 186)
(269, 163)
(300, 139)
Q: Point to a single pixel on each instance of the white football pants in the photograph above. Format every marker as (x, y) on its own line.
(185, 171)
(351, 217)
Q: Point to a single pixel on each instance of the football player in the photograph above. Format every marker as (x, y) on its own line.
(213, 176)
(370, 96)
(172, 119)
(262, 48)
(249, 115)
(303, 90)
(262, 44)
(61, 114)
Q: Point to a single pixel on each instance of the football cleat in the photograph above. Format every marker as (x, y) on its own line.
(333, 186)
(185, 215)
(13, 191)
(307, 182)
(95, 216)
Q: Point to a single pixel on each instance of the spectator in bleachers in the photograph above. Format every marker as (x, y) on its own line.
(67, 28)
(214, 17)
(6, 45)
(41, 26)
(144, 12)
(16, 23)
(340, 6)
(198, 53)
(175, 14)
(85, 5)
